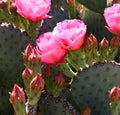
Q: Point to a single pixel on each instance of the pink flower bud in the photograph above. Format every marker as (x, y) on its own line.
(17, 95)
(114, 94)
(34, 58)
(112, 17)
(27, 52)
(27, 73)
(115, 41)
(86, 111)
(37, 83)
(33, 10)
(59, 80)
(104, 44)
(90, 42)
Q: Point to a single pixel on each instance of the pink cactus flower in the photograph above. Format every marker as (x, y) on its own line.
(33, 10)
(50, 49)
(70, 33)
(112, 17)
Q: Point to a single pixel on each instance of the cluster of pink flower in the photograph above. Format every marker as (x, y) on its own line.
(67, 35)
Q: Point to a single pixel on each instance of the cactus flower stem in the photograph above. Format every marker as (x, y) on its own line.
(19, 109)
(72, 8)
(115, 107)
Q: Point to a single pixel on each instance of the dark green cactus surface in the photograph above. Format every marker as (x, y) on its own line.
(95, 5)
(92, 85)
(55, 106)
(12, 44)
(57, 15)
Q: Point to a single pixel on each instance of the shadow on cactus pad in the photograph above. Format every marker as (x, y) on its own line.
(12, 44)
(92, 85)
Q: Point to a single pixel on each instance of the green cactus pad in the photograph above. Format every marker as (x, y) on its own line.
(92, 85)
(97, 6)
(96, 25)
(55, 106)
(12, 44)
(57, 15)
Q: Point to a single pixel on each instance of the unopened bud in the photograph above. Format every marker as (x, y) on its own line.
(59, 80)
(90, 42)
(86, 111)
(71, 2)
(104, 44)
(37, 83)
(34, 58)
(115, 41)
(27, 52)
(27, 73)
(114, 94)
(17, 95)
(3, 3)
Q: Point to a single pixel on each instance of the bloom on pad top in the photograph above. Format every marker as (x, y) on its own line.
(67, 35)
(112, 17)
(33, 10)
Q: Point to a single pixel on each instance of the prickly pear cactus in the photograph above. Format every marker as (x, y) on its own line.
(96, 24)
(92, 85)
(12, 43)
(97, 6)
(57, 15)
(55, 106)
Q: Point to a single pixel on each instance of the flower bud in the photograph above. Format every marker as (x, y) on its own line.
(3, 3)
(27, 52)
(104, 44)
(114, 94)
(86, 111)
(115, 41)
(59, 80)
(34, 57)
(91, 42)
(27, 73)
(71, 2)
(37, 83)
(17, 95)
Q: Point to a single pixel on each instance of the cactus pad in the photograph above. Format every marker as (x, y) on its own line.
(57, 15)
(92, 85)
(55, 106)
(12, 44)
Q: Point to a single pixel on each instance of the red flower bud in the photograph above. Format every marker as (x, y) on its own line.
(86, 111)
(91, 42)
(71, 2)
(37, 83)
(104, 43)
(17, 95)
(27, 73)
(3, 3)
(114, 94)
(115, 41)
(27, 52)
(59, 80)
(34, 58)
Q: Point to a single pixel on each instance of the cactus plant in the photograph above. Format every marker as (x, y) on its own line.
(12, 43)
(51, 106)
(94, 83)
(56, 15)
